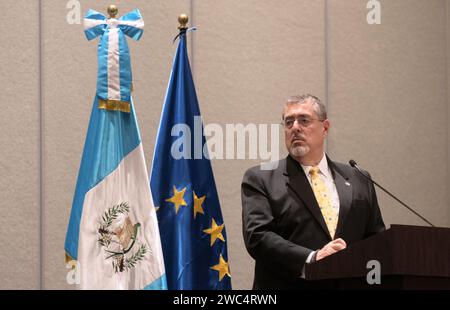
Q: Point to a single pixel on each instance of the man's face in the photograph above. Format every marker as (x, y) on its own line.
(307, 134)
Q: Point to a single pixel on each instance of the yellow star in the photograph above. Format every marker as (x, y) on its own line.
(222, 268)
(177, 199)
(198, 204)
(215, 232)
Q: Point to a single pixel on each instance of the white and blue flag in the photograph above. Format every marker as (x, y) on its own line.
(114, 69)
(113, 231)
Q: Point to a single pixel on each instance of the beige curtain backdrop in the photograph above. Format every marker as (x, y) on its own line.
(386, 86)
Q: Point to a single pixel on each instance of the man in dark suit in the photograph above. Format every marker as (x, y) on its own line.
(307, 208)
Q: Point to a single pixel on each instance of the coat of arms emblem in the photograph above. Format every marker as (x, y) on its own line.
(118, 238)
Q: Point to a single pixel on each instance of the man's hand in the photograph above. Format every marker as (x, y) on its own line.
(331, 248)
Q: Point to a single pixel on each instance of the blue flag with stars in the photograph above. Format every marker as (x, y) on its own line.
(191, 226)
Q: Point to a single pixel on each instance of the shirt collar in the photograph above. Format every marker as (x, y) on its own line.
(323, 168)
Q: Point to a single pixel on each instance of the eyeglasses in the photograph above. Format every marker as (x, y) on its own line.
(303, 121)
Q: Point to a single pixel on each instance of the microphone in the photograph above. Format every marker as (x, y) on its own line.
(354, 165)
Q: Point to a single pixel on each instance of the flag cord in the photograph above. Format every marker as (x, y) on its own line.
(183, 31)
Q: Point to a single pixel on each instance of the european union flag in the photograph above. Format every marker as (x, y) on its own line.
(191, 226)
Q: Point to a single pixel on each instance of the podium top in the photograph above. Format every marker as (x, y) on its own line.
(400, 250)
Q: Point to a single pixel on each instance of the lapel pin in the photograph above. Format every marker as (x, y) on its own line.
(346, 183)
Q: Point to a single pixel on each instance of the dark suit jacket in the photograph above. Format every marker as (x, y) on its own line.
(282, 222)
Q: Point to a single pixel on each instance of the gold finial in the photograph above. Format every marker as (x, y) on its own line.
(112, 11)
(183, 20)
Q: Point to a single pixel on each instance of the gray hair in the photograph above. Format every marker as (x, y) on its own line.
(319, 107)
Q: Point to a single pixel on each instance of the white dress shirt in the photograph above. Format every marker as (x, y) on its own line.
(326, 176)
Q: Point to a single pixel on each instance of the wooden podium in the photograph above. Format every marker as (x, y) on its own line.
(410, 257)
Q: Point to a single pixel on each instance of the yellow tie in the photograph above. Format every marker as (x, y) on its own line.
(323, 198)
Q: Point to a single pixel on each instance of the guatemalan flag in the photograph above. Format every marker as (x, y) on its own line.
(192, 229)
(113, 231)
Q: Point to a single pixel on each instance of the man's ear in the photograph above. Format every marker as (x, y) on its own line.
(326, 127)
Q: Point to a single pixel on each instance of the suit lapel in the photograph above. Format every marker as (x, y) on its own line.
(299, 184)
(345, 193)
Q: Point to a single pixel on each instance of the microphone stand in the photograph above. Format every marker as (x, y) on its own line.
(354, 165)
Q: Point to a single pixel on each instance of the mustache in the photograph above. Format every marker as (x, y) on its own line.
(298, 137)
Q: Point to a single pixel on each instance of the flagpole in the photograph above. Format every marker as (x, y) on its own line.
(183, 20)
(112, 11)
